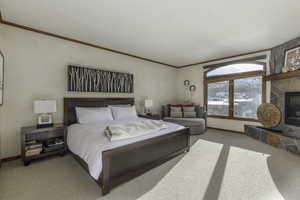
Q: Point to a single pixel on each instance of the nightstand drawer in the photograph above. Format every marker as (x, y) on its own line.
(44, 135)
(56, 133)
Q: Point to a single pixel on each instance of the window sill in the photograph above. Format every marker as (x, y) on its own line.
(233, 118)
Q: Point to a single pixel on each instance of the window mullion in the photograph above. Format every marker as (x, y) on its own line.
(231, 98)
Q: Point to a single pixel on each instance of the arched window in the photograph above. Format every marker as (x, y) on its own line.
(235, 91)
(236, 69)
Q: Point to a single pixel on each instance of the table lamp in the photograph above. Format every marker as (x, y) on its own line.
(148, 106)
(44, 109)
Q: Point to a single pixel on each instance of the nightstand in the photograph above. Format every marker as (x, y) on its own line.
(150, 116)
(43, 142)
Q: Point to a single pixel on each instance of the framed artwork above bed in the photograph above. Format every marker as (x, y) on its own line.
(83, 79)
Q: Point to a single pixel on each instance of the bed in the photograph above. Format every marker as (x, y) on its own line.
(123, 161)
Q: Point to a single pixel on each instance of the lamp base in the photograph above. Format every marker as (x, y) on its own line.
(44, 121)
(147, 111)
(44, 125)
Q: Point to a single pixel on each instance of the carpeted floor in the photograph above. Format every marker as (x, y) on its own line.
(219, 166)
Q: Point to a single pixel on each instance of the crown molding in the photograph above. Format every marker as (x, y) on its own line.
(2, 21)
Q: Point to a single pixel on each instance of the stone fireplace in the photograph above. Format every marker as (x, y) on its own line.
(286, 135)
(292, 108)
(280, 87)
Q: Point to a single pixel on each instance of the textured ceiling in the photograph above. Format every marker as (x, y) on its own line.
(170, 31)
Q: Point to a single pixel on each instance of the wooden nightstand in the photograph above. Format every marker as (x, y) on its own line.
(42, 142)
(152, 116)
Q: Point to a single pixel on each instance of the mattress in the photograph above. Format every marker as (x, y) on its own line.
(88, 141)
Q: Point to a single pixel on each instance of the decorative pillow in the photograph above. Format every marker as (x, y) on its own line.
(188, 109)
(189, 114)
(176, 114)
(175, 109)
(120, 113)
(86, 115)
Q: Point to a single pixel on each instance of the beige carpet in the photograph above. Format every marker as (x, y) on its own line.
(219, 166)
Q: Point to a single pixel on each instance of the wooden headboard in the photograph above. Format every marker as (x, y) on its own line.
(71, 103)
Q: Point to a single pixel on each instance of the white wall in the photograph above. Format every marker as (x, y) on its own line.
(0, 134)
(35, 67)
(1, 78)
(195, 75)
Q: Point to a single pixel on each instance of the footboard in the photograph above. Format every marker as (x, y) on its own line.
(126, 162)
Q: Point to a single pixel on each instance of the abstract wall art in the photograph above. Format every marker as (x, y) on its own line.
(84, 79)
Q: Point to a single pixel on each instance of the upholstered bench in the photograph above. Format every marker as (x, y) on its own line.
(197, 125)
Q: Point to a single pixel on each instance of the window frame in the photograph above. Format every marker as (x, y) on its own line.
(231, 78)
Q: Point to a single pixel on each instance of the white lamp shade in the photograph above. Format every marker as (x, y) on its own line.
(148, 103)
(44, 106)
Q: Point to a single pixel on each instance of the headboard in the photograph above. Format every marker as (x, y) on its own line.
(71, 103)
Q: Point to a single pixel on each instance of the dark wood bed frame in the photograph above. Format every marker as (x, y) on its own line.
(126, 162)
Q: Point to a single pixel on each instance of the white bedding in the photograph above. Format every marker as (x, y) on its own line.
(134, 128)
(88, 141)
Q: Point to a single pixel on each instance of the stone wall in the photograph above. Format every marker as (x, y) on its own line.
(284, 140)
(279, 87)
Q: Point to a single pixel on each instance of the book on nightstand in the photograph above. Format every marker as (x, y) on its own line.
(33, 152)
(54, 144)
(33, 148)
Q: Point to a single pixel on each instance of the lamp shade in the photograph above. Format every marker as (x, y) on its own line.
(148, 103)
(44, 106)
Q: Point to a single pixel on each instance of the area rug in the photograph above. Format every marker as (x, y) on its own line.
(214, 171)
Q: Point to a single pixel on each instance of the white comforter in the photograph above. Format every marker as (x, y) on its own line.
(133, 129)
(88, 141)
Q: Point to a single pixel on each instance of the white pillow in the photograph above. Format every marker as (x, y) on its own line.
(176, 114)
(120, 113)
(189, 114)
(93, 115)
(175, 109)
(189, 109)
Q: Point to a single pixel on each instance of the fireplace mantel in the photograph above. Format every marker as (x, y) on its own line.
(283, 75)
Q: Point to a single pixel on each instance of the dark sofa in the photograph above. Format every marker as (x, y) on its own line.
(197, 125)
